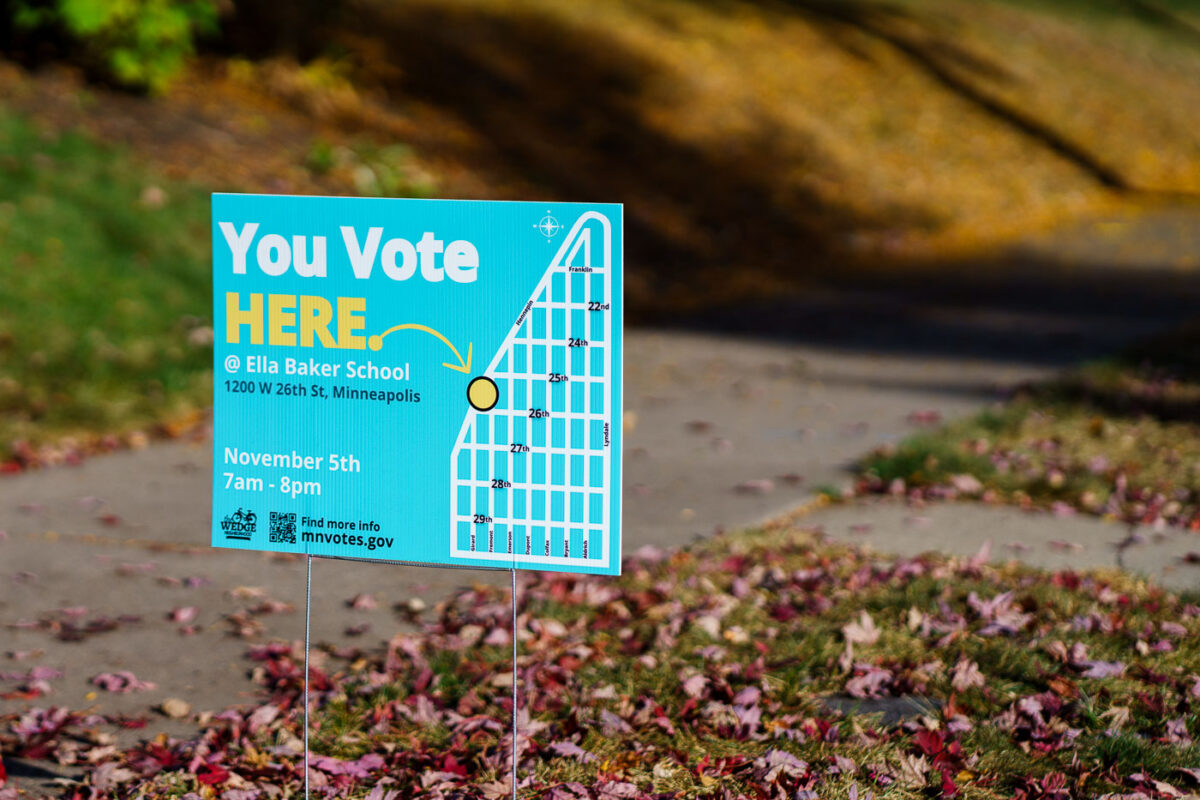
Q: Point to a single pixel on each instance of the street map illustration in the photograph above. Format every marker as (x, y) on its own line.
(530, 469)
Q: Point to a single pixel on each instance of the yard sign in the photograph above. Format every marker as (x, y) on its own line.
(426, 381)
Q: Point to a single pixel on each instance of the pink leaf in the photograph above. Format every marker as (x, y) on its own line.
(355, 769)
(862, 632)
(748, 696)
(122, 682)
(571, 750)
(966, 675)
(1103, 669)
(1172, 629)
(966, 484)
(694, 686)
(44, 674)
(1060, 509)
(362, 602)
(261, 716)
(872, 683)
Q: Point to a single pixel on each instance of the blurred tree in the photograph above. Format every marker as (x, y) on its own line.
(143, 44)
(137, 43)
(258, 28)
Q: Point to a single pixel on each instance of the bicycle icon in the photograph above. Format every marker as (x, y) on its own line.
(244, 517)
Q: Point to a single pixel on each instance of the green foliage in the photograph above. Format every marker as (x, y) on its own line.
(374, 171)
(390, 172)
(104, 282)
(1118, 438)
(321, 158)
(142, 43)
(927, 459)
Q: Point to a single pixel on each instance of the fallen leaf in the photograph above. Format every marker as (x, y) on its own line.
(122, 682)
(175, 708)
(863, 631)
(362, 602)
(1103, 669)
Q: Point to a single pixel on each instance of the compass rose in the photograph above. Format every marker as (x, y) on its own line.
(548, 226)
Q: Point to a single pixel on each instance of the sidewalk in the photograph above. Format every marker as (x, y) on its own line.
(721, 433)
(1038, 539)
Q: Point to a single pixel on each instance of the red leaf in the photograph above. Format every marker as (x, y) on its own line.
(451, 765)
(930, 742)
(212, 774)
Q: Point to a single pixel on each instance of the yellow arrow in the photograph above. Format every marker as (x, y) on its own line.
(376, 342)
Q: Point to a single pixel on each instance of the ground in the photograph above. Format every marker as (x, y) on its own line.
(722, 433)
(867, 281)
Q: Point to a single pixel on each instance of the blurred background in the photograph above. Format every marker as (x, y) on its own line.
(879, 254)
(1004, 177)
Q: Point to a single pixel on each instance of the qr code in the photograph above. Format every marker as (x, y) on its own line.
(283, 528)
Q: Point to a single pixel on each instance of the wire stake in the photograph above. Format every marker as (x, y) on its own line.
(307, 621)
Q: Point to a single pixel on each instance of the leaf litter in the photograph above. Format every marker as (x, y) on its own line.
(703, 673)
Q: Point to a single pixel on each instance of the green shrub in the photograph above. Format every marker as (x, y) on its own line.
(140, 43)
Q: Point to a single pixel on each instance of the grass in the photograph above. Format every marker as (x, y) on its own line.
(105, 295)
(1118, 438)
(699, 671)
(799, 655)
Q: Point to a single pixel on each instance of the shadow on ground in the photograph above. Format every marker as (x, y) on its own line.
(716, 241)
(563, 110)
(1018, 307)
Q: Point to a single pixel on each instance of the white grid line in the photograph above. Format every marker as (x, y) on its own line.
(520, 336)
(551, 342)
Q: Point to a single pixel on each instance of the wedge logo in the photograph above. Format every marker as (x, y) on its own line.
(240, 525)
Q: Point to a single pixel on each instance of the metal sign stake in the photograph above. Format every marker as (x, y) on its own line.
(307, 620)
(321, 395)
(514, 683)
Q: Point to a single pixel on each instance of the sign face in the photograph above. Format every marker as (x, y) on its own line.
(427, 381)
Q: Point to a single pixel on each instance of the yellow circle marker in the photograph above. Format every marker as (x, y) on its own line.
(375, 342)
(482, 393)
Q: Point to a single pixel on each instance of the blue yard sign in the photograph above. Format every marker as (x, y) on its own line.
(427, 381)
